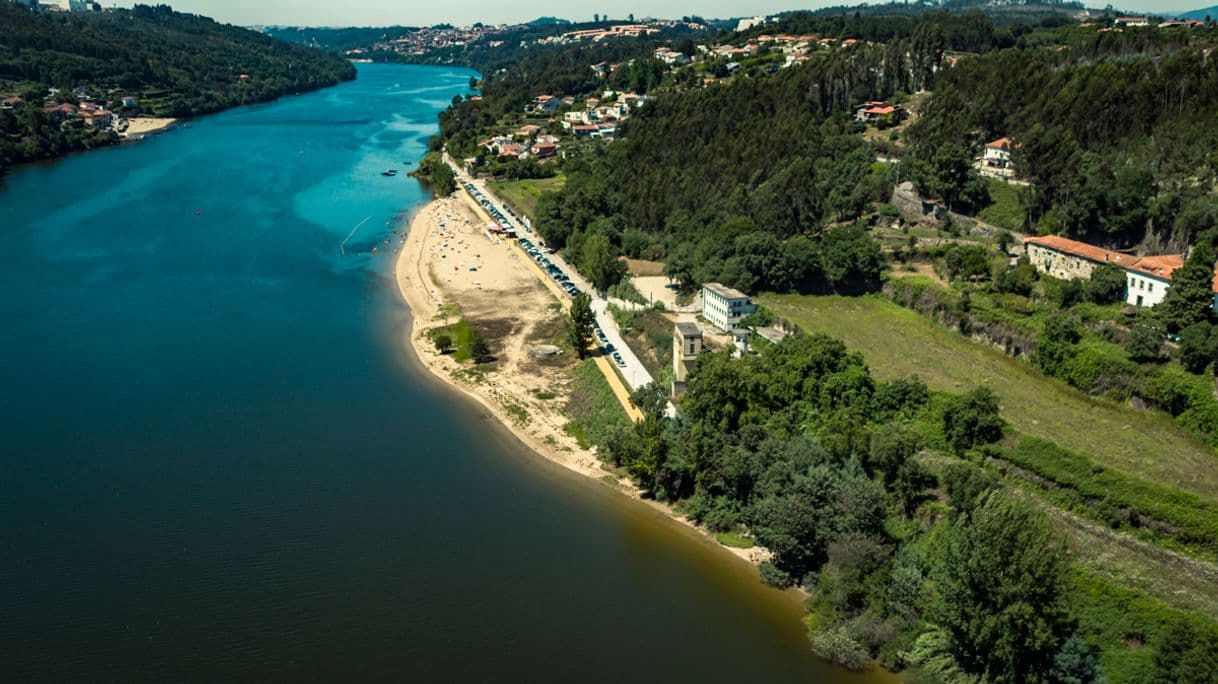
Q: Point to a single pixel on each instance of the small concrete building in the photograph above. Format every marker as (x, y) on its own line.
(740, 338)
(686, 345)
(725, 307)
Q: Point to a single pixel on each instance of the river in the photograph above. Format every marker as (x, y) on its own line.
(219, 464)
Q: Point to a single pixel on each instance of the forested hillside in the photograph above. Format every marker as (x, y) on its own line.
(174, 64)
(1115, 131)
(738, 183)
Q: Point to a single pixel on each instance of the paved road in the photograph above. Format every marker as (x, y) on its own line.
(633, 370)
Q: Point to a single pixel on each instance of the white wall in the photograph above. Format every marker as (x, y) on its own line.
(1151, 290)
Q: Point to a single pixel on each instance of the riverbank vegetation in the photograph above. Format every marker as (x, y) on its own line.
(919, 485)
(171, 64)
(941, 570)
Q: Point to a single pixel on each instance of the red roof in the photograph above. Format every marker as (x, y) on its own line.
(881, 111)
(1161, 266)
(1000, 144)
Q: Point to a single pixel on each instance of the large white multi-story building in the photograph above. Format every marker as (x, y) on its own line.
(724, 307)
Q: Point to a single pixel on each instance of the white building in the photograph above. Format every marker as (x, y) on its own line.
(996, 160)
(746, 24)
(725, 307)
(686, 345)
(1147, 278)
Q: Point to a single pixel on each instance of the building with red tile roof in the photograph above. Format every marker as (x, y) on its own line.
(1147, 278)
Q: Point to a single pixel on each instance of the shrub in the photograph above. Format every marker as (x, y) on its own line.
(1145, 342)
(443, 342)
(838, 646)
(1198, 346)
(774, 576)
(971, 420)
(1056, 345)
(1107, 285)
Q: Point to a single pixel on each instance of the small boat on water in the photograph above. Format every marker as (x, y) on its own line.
(389, 172)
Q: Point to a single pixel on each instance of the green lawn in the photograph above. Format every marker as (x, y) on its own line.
(898, 342)
(1007, 209)
(522, 195)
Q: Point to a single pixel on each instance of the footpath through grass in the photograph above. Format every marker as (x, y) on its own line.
(897, 342)
(522, 195)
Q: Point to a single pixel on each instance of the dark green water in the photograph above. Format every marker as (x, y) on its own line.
(217, 463)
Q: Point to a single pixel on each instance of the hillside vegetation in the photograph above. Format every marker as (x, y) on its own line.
(175, 64)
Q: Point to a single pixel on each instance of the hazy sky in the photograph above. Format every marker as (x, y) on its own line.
(420, 12)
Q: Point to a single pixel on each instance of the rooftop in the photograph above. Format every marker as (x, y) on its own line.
(689, 329)
(1161, 266)
(725, 291)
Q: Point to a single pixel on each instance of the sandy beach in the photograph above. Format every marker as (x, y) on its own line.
(141, 126)
(436, 266)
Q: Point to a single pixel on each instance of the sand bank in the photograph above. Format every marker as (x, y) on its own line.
(141, 126)
(447, 258)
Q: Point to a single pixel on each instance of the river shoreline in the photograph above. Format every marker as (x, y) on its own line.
(414, 273)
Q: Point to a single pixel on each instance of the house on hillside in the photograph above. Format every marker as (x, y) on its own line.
(995, 160)
(1147, 278)
(1125, 22)
(671, 57)
(546, 104)
(879, 114)
(60, 113)
(725, 307)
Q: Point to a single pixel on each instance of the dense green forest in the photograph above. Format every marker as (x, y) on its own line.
(881, 499)
(874, 496)
(1116, 131)
(174, 64)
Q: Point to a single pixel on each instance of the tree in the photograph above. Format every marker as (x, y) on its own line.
(968, 262)
(651, 399)
(1198, 346)
(1186, 652)
(1107, 285)
(1144, 342)
(1190, 299)
(1056, 344)
(599, 263)
(1076, 663)
(443, 342)
(580, 323)
(479, 350)
(966, 486)
(1001, 582)
(971, 420)
(891, 457)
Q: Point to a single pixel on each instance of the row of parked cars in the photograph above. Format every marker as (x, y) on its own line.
(539, 255)
(608, 348)
(490, 208)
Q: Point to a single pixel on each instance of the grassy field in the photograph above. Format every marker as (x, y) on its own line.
(897, 342)
(593, 406)
(522, 195)
(1007, 210)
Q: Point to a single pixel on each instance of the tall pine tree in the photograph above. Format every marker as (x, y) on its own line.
(1191, 296)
